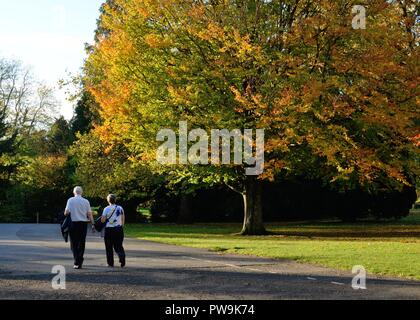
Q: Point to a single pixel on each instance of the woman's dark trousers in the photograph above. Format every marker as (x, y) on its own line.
(114, 238)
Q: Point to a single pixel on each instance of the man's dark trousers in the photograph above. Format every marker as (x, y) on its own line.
(114, 238)
(78, 232)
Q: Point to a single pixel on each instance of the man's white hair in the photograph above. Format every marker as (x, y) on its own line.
(78, 190)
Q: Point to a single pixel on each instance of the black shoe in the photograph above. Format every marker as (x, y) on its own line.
(123, 264)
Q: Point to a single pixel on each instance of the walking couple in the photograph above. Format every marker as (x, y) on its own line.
(79, 210)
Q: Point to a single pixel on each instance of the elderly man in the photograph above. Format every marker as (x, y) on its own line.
(79, 210)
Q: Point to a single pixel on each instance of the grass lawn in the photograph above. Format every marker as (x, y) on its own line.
(387, 248)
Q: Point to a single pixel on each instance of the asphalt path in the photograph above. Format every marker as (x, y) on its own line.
(28, 254)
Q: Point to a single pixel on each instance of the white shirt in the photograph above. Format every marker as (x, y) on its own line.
(116, 218)
(79, 208)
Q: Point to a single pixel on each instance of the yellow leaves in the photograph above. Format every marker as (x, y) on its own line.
(343, 173)
(260, 105)
(182, 96)
(248, 101)
(213, 32)
(103, 131)
(243, 42)
(44, 171)
(157, 41)
(290, 133)
(341, 133)
(239, 98)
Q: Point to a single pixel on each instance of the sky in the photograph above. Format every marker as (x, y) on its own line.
(48, 36)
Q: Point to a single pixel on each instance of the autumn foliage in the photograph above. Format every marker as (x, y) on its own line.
(329, 96)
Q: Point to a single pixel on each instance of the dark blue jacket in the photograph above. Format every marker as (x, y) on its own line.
(65, 228)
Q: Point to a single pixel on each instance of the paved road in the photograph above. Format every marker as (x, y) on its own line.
(158, 271)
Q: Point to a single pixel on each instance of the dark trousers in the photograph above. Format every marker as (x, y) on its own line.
(78, 232)
(114, 238)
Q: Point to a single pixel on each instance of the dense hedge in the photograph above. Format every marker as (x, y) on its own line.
(290, 201)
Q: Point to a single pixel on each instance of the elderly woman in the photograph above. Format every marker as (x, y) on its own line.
(114, 217)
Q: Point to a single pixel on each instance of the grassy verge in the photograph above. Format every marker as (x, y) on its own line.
(388, 248)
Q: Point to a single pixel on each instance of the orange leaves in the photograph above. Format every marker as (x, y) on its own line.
(243, 102)
(208, 32)
(416, 140)
(249, 102)
(152, 40)
(144, 12)
(113, 100)
(197, 12)
(157, 41)
(272, 167)
(370, 169)
(398, 175)
(284, 100)
(108, 150)
(104, 132)
(277, 144)
(312, 91)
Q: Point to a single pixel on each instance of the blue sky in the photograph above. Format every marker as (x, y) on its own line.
(49, 36)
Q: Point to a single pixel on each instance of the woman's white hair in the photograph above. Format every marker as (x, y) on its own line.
(78, 190)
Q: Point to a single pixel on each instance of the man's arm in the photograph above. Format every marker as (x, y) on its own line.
(67, 210)
(90, 216)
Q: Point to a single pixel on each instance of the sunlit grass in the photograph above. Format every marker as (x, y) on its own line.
(386, 248)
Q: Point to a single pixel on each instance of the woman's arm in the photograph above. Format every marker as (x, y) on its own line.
(103, 218)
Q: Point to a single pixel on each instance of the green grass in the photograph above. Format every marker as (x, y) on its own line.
(387, 248)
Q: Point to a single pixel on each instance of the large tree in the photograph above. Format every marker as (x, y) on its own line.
(295, 68)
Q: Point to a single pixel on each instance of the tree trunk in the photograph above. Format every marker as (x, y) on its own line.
(253, 222)
(185, 215)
